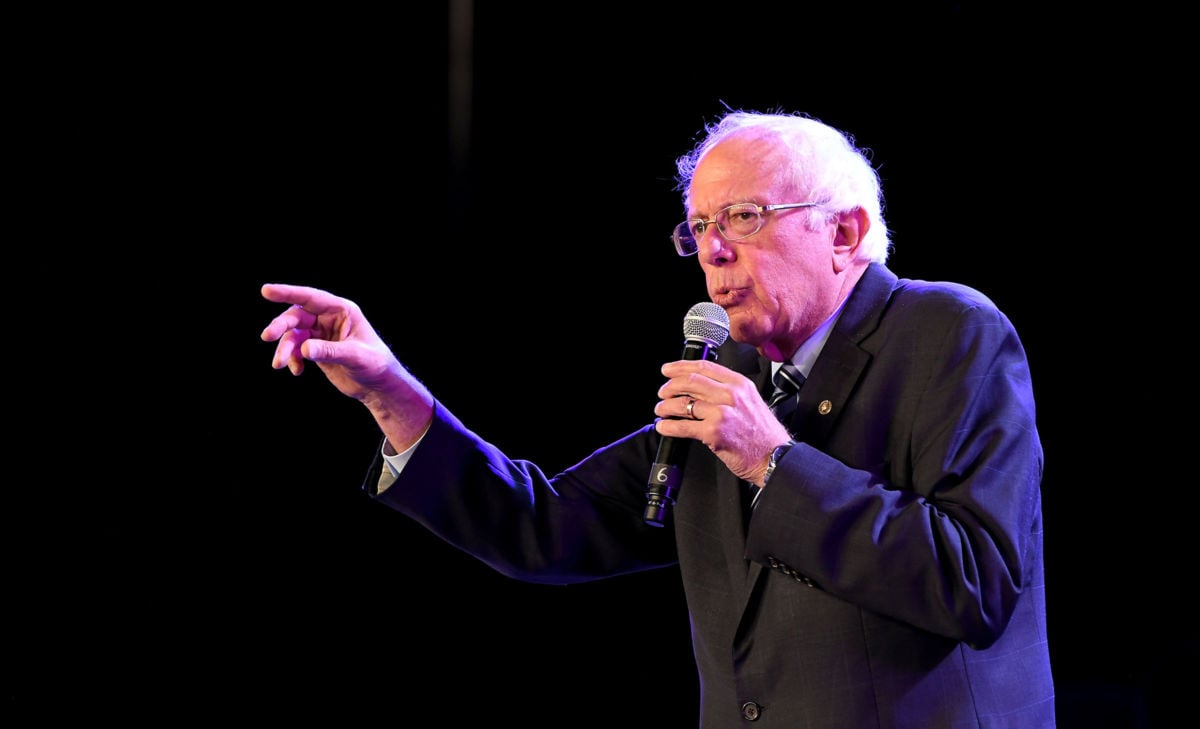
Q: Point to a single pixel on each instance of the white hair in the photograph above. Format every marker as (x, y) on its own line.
(825, 162)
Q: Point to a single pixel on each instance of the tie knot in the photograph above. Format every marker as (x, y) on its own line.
(788, 380)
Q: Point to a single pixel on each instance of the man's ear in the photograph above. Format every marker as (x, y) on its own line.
(851, 226)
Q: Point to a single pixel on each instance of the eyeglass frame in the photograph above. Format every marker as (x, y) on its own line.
(759, 210)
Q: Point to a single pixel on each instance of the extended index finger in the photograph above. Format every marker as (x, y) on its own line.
(302, 295)
(306, 302)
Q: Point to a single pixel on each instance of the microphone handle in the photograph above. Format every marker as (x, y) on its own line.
(667, 471)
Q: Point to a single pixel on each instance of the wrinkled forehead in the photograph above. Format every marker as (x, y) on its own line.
(747, 166)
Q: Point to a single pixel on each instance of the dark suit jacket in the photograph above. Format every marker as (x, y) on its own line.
(892, 573)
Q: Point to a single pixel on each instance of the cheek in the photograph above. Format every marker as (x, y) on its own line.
(805, 262)
(787, 282)
(774, 276)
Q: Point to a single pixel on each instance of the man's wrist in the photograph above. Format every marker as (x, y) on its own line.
(775, 457)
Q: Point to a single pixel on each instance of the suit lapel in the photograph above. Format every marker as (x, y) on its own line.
(842, 362)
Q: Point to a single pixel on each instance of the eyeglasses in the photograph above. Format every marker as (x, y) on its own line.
(735, 222)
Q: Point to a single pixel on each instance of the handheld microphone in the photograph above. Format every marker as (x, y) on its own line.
(704, 329)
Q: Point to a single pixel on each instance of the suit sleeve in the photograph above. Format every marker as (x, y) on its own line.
(925, 504)
(583, 524)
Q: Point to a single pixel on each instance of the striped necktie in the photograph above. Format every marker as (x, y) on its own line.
(788, 380)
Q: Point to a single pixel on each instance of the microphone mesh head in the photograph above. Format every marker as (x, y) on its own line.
(707, 322)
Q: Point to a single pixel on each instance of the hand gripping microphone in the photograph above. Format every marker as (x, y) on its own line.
(704, 329)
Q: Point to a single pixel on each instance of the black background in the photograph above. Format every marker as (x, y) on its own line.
(192, 541)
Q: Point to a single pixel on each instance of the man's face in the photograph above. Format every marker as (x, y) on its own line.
(776, 284)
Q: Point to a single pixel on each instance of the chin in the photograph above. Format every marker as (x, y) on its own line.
(743, 334)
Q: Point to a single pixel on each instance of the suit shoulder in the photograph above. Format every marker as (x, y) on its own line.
(943, 295)
(943, 306)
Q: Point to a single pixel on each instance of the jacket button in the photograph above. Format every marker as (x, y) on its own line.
(751, 711)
